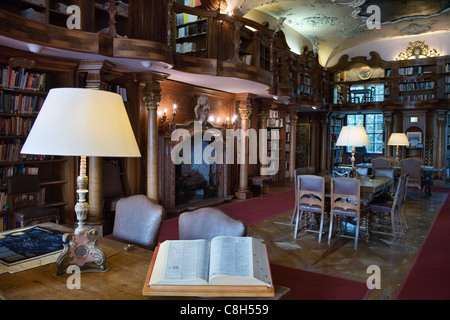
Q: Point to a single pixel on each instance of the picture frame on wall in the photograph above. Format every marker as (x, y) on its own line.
(414, 138)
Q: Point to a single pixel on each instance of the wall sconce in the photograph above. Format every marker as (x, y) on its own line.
(174, 113)
(228, 124)
(164, 116)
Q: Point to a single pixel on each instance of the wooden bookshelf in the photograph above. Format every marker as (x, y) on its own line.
(447, 147)
(25, 81)
(190, 31)
(276, 141)
(336, 152)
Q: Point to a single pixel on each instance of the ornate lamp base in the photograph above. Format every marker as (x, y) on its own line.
(81, 250)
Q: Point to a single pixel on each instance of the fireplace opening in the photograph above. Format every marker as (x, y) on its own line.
(195, 181)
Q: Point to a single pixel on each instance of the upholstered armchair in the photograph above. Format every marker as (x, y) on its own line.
(207, 223)
(381, 163)
(412, 167)
(138, 221)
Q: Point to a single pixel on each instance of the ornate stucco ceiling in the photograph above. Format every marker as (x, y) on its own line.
(335, 25)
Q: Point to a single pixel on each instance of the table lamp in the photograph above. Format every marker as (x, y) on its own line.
(85, 123)
(353, 136)
(398, 139)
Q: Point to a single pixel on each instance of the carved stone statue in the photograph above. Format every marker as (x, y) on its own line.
(202, 109)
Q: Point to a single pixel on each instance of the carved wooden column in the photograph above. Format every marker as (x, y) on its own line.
(314, 143)
(245, 111)
(152, 97)
(237, 41)
(95, 74)
(388, 131)
(169, 4)
(292, 143)
(440, 152)
(263, 116)
(323, 151)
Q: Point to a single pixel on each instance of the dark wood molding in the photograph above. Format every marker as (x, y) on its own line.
(344, 63)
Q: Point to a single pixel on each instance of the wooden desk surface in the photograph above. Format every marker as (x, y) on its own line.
(374, 185)
(124, 280)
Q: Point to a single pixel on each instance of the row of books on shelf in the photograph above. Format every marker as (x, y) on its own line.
(273, 113)
(15, 126)
(305, 89)
(19, 103)
(447, 67)
(191, 30)
(408, 71)
(416, 86)
(15, 170)
(336, 130)
(186, 47)
(4, 201)
(416, 97)
(306, 79)
(183, 18)
(447, 87)
(119, 90)
(10, 152)
(273, 134)
(4, 222)
(274, 122)
(246, 59)
(190, 3)
(21, 79)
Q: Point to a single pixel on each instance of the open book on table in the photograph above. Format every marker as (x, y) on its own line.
(225, 261)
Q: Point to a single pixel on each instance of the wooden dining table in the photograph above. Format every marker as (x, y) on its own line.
(124, 280)
(370, 187)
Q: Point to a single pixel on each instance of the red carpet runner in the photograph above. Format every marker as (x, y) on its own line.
(306, 285)
(251, 211)
(429, 276)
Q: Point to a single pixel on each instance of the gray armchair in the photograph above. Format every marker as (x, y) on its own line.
(138, 221)
(207, 223)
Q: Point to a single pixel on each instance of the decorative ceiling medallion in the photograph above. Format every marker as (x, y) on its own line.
(417, 49)
(320, 20)
(415, 28)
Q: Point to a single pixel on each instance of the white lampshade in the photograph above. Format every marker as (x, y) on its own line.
(353, 136)
(398, 139)
(82, 122)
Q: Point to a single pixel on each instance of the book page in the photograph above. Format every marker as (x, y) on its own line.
(230, 256)
(181, 262)
(239, 261)
(261, 266)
